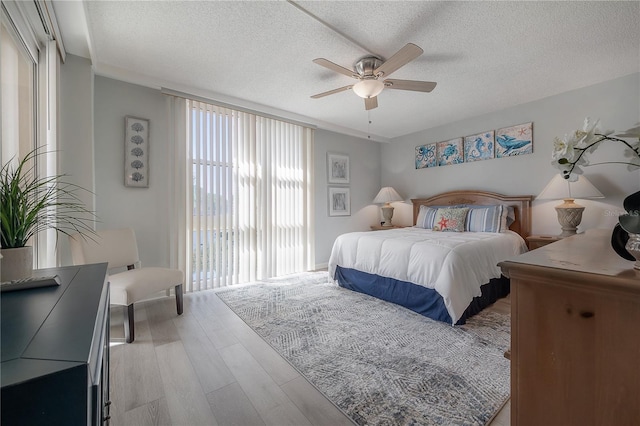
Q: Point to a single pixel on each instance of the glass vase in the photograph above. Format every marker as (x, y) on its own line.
(633, 247)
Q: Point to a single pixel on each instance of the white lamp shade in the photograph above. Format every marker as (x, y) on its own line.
(387, 195)
(560, 188)
(368, 88)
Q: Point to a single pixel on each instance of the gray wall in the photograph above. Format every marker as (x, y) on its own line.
(146, 210)
(616, 103)
(122, 206)
(75, 129)
(92, 112)
(97, 156)
(364, 163)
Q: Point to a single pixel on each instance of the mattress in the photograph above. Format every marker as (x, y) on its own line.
(454, 264)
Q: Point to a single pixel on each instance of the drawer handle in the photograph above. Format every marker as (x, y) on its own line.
(586, 314)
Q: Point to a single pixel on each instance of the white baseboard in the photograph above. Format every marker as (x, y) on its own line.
(320, 266)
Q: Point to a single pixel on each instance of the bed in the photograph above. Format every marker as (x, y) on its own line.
(446, 276)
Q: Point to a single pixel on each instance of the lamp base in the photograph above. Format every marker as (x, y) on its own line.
(387, 214)
(569, 217)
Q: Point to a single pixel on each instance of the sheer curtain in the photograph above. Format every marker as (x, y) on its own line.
(248, 192)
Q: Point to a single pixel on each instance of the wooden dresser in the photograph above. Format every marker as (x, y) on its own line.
(575, 334)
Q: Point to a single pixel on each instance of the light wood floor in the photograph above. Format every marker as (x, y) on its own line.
(207, 367)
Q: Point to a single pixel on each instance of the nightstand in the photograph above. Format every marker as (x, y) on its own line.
(537, 241)
(382, 228)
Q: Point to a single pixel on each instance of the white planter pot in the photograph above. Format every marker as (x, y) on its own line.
(16, 263)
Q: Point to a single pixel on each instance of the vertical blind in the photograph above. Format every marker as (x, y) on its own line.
(250, 197)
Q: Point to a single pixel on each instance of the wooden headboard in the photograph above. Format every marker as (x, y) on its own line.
(520, 203)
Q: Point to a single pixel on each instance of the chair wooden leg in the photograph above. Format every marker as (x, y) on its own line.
(129, 321)
(179, 299)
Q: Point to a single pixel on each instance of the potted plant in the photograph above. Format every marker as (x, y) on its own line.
(30, 204)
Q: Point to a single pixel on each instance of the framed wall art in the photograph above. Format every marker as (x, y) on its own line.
(136, 152)
(426, 156)
(479, 147)
(337, 168)
(450, 152)
(339, 201)
(514, 140)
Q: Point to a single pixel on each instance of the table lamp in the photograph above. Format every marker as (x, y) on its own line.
(386, 196)
(569, 213)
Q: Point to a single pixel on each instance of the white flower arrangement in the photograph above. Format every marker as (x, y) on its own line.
(570, 152)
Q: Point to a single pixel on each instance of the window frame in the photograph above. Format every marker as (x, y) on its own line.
(30, 31)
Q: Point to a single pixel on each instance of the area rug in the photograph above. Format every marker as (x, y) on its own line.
(380, 363)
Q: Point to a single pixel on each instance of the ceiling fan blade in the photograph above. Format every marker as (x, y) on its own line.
(416, 86)
(335, 67)
(402, 57)
(370, 103)
(331, 92)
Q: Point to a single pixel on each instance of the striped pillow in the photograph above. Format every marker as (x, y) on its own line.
(487, 219)
(426, 216)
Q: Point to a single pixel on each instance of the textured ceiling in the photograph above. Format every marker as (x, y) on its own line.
(485, 56)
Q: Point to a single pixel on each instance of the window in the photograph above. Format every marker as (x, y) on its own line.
(17, 73)
(28, 67)
(250, 197)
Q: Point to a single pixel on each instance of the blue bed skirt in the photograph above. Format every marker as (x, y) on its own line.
(422, 300)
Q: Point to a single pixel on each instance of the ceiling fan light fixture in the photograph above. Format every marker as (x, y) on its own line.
(368, 88)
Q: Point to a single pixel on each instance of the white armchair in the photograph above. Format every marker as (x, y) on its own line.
(120, 249)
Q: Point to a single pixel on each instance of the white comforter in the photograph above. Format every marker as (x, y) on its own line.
(455, 264)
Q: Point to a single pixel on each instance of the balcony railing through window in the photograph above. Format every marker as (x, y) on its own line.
(250, 197)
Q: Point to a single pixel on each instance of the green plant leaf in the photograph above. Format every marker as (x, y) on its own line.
(30, 204)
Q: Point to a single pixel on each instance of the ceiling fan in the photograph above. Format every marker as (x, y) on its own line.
(371, 69)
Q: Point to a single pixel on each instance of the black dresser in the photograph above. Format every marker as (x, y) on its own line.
(55, 350)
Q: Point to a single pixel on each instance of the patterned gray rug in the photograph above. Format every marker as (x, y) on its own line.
(381, 364)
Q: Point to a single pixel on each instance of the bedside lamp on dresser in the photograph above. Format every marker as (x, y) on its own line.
(386, 196)
(569, 213)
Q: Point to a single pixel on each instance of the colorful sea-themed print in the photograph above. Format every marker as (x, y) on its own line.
(514, 140)
(450, 152)
(426, 156)
(478, 147)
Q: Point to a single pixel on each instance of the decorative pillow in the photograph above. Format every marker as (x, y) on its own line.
(488, 218)
(511, 216)
(425, 218)
(452, 219)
